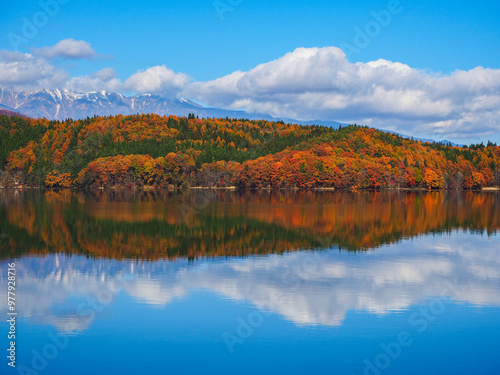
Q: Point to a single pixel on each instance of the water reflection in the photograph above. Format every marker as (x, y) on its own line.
(164, 225)
(306, 288)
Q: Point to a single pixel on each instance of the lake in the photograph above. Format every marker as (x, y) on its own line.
(262, 282)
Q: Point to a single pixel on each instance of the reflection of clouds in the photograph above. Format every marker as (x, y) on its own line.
(70, 323)
(153, 292)
(51, 289)
(304, 287)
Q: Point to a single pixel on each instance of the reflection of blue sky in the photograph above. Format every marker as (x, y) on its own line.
(303, 287)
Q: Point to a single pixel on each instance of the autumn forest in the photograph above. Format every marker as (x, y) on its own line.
(155, 152)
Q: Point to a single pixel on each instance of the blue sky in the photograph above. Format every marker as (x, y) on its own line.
(206, 40)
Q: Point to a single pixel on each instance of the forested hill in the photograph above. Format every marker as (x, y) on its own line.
(158, 151)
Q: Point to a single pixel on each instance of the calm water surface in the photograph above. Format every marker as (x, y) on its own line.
(252, 283)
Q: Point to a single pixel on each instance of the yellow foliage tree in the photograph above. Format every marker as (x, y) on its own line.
(56, 179)
(433, 179)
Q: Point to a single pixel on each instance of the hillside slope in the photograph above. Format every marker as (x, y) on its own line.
(133, 151)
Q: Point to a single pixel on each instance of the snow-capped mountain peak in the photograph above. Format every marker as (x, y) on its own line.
(62, 104)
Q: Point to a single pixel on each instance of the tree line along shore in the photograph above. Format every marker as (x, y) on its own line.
(159, 152)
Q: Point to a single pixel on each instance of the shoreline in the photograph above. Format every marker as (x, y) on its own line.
(234, 188)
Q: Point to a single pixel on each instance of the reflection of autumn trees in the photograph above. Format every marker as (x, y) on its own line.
(133, 151)
(150, 226)
(367, 220)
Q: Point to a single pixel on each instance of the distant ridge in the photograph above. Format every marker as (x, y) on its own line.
(63, 104)
(4, 110)
(424, 140)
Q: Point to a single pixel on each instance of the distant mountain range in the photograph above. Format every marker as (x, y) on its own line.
(63, 104)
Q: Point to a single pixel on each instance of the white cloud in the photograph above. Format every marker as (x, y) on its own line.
(157, 79)
(105, 74)
(105, 79)
(306, 84)
(67, 49)
(31, 71)
(26, 72)
(321, 84)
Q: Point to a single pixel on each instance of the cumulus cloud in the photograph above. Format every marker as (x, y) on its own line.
(24, 72)
(321, 84)
(157, 79)
(38, 70)
(105, 74)
(306, 84)
(68, 49)
(105, 79)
